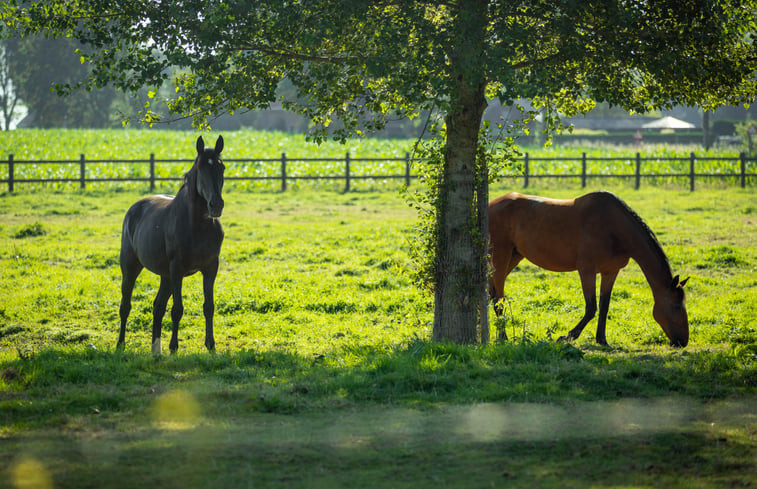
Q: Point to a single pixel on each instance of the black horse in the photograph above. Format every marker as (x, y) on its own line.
(175, 237)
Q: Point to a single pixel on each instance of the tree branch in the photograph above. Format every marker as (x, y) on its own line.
(547, 60)
(293, 55)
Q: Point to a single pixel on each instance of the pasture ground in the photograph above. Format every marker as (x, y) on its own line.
(324, 375)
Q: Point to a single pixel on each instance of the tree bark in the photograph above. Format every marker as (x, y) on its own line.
(706, 132)
(461, 245)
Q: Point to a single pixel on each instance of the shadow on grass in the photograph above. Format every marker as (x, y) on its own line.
(50, 385)
(484, 445)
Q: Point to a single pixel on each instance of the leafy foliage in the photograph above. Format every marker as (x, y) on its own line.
(360, 62)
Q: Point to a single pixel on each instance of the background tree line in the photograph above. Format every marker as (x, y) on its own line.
(34, 66)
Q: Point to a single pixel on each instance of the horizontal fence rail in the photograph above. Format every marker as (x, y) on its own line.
(285, 170)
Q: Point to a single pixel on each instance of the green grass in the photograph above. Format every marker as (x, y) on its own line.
(311, 271)
(324, 374)
(139, 143)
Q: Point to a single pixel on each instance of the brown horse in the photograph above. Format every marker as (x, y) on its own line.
(594, 234)
(175, 237)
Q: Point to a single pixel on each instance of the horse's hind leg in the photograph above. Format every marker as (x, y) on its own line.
(130, 270)
(208, 307)
(158, 311)
(504, 260)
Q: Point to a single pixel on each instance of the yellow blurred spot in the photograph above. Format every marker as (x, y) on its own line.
(175, 410)
(28, 473)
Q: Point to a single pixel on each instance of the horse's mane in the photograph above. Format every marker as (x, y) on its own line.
(648, 233)
(189, 185)
(190, 179)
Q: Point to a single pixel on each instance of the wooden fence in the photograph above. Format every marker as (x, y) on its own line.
(742, 162)
(531, 170)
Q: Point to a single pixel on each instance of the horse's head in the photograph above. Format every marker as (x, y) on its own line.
(670, 311)
(210, 170)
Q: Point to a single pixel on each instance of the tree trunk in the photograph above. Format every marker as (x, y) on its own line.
(460, 285)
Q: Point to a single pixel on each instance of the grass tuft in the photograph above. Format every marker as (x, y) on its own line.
(30, 231)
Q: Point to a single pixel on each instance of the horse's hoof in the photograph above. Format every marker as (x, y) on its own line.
(564, 339)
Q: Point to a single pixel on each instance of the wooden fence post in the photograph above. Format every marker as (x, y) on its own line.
(691, 171)
(583, 170)
(742, 157)
(10, 173)
(82, 172)
(152, 172)
(638, 171)
(525, 170)
(347, 172)
(283, 172)
(407, 169)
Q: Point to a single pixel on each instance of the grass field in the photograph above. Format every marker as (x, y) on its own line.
(261, 152)
(324, 374)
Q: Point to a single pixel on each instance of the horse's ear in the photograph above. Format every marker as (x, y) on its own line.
(200, 145)
(219, 145)
(675, 282)
(683, 282)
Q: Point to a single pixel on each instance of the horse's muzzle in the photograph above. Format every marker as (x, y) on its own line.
(679, 342)
(215, 208)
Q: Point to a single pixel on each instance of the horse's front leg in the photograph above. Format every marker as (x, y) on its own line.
(605, 292)
(208, 307)
(158, 311)
(177, 311)
(589, 286)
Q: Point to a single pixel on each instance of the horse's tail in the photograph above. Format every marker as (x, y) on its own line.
(131, 220)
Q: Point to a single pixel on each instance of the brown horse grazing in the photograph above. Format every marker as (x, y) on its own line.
(175, 237)
(594, 234)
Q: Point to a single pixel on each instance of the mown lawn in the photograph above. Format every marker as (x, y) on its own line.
(324, 375)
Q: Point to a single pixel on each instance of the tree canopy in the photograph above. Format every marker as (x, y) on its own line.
(353, 61)
(354, 64)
